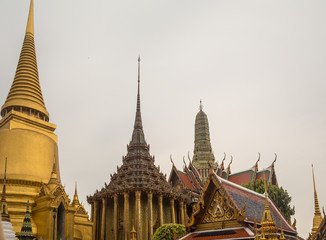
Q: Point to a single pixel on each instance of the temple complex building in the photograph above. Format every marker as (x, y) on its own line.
(29, 147)
(138, 197)
(226, 210)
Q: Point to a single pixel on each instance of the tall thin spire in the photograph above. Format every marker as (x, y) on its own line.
(3, 203)
(138, 134)
(317, 217)
(30, 21)
(25, 94)
(3, 198)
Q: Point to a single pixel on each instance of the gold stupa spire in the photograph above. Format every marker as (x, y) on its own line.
(317, 217)
(268, 225)
(25, 94)
(30, 21)
(75, 202)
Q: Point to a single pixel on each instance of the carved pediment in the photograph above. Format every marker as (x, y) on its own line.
(214, 205)
(218, 209)
(81, 210)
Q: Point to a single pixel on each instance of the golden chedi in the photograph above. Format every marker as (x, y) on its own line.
(28, 142)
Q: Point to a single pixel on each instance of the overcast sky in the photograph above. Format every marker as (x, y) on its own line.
(258, 66)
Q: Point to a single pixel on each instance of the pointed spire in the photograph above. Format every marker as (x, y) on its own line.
(3, 203)
(3, 198)
(26, 230)
(317, 217)
(268, 225)
(317, 210)
(25, 94)
(138, 134)
(75, 202)
(30, 21)
(201, 106)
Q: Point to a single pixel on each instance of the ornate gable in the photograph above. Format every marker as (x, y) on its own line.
(215, 208)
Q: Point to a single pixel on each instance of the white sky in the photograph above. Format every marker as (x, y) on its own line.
(258, 66)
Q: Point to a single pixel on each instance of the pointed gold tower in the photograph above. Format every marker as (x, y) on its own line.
(317, 217)
(25, 93)
(27, 138)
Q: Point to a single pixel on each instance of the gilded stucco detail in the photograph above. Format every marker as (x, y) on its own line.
(218, 210)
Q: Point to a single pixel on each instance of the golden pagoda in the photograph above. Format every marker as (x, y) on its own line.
(138, 198)
(28, 142)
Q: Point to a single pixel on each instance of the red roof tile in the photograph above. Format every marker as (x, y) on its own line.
(186, 180)
(241, 178)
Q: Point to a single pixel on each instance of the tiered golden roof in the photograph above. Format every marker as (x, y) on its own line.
(25, 93)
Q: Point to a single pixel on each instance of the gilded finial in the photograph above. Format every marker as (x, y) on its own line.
(201, 106)
(30, 21)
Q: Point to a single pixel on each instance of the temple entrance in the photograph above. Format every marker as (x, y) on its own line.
(61, 222)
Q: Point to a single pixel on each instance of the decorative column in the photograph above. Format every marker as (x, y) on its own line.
(172, 210)
(150, 214)
(137, 213)
(181, 212)
(160, 209)
(115, 217)
(103, 218)
(126, 215)
(95, 220)
(185, 212)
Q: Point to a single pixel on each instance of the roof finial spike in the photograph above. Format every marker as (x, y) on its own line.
(30, 21)
(201, 106)
(266, 196)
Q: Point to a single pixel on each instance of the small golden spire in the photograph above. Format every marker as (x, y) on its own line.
(30, 21)
(75, 202)
(317, 217)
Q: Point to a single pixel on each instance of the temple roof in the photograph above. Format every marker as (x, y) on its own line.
(25, 91)
(255, 204)
(138, 171)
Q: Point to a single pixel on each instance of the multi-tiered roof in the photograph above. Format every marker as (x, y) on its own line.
(138, 171)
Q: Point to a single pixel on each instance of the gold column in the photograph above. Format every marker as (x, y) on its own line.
(150, 214)
(137, 213)
(126, 215)
(115, 217)
(95, 220)
(160, 209)
(172, 210)
(103, 218)
(181, 212)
